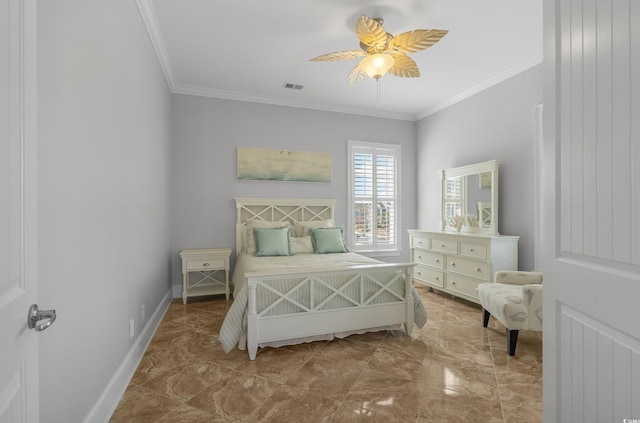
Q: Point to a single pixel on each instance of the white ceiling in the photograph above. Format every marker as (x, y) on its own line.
(246, 50)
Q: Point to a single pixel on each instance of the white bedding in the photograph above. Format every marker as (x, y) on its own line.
(235, 323)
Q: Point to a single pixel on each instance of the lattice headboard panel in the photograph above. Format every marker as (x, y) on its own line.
(280, 209)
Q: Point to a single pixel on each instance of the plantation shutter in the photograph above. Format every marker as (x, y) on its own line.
(374, 198)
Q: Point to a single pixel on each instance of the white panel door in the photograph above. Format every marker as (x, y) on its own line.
(18, 216)
(591, 211)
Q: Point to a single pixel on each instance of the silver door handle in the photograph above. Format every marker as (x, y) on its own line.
(35, 315)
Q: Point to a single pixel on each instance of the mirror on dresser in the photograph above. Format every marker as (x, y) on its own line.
(470, 198)
(463, 253)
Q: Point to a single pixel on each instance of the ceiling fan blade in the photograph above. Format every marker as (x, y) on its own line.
(356, 75)
(371, 33)
(404, 67)
(339, 55)
(412, 41)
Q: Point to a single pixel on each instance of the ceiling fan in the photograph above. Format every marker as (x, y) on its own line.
(384, 52)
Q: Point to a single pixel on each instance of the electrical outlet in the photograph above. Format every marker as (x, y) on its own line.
(143, 313)
(132, 329)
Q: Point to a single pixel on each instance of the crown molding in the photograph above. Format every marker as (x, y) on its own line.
(502, 76)
(257, 98)
(153, 29)
(151, 23)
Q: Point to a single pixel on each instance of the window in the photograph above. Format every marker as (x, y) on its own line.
(453, 194)
(373, 197)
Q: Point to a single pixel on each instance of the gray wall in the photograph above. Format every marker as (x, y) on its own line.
(104, 146)
(497, 123)
(208, 131)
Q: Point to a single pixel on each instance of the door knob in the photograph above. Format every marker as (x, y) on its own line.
(35, 315)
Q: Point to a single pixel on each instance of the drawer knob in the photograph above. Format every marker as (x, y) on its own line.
(419, 272)
(419, 257)
(437, 278)
(442, 245)
(453, 263)
(478, 269)
(437, 260)
(206, 264)
(471, 250)
(453, 282)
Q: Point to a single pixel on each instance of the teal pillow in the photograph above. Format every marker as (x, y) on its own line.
(272, 241)
(327, 240)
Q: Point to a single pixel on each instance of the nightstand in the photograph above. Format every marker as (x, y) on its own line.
(212, 268)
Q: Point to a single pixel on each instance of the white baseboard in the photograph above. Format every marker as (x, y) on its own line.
(108, 401)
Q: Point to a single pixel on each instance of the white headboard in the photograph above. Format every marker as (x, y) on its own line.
(281, 209)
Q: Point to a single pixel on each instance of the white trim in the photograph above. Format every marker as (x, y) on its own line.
(502, 76)
(538, 154)
(106, 405)
(155, 35)
(257, 98)
(151, 23)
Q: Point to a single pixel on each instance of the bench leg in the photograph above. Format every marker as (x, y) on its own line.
(512, 339)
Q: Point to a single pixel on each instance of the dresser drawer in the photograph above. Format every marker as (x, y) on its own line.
(478, 251)
(420, 242)
(204, 264)
(429, 258)
(462, 285)
(444, 246)
(431, 276)
(468, 267)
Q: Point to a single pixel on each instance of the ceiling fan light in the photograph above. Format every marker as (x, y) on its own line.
(376, 65)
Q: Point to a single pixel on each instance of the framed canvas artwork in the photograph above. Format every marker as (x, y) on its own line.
(262, 164)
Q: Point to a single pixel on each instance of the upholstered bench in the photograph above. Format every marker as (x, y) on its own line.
(515, 300)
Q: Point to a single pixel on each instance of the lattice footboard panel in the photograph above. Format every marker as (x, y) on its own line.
(315, 293)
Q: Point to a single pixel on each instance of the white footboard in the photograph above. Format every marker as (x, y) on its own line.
(293, 305)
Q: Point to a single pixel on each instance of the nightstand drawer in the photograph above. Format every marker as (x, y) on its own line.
(429, 258)
(202, 264)
(467, 267)
(478, 251)
(431, 276)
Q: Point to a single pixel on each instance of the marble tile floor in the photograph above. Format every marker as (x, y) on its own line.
(453, 369)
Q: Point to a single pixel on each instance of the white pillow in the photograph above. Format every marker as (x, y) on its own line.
(301, 228)
(301, 245)
(248, 241)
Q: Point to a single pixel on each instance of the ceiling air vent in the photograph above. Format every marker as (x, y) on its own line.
(292, 86)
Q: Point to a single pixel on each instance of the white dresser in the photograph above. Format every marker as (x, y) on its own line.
(457, 262)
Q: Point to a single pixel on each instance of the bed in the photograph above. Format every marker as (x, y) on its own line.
(311, 291)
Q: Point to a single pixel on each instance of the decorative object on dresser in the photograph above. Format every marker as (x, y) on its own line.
(515, 300)
(208, 263)
(467, 249)
(314, 290)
